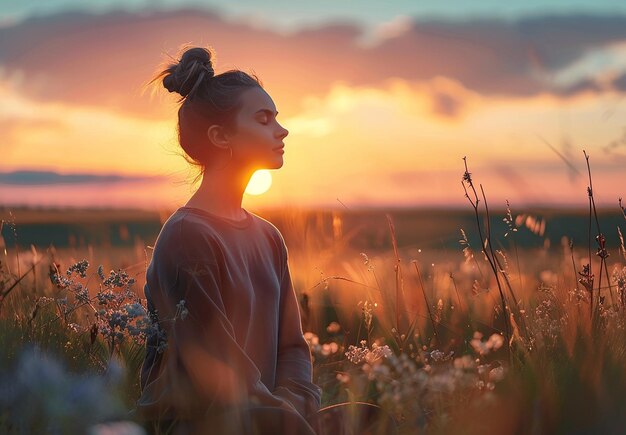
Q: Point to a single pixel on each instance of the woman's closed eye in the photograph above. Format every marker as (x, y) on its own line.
(265, 116)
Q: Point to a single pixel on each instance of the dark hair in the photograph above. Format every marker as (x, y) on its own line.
(206, 99)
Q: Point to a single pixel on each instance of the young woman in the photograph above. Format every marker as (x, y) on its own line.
(229, 356)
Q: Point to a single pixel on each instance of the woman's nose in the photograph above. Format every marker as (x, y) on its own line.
(283, 132)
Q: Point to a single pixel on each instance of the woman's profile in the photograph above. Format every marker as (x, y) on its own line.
(229, 355)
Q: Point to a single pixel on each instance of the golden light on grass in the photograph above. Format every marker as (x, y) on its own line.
(259, 183)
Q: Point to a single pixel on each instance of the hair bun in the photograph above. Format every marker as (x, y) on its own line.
(193, 67)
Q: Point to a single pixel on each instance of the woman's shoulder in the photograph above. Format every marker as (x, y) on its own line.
(263, 223)
(273, 234)
(182, 232)
(181, 223)
(268, 228)
(188, 232)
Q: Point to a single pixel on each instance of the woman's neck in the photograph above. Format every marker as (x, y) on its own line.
(221, 192)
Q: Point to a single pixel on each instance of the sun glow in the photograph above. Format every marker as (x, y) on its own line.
(259, 183)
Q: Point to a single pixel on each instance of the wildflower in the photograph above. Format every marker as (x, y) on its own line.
(82, 295)
(329, 348)
(368, 309)
(333, 328)
(344, 378)
(311, 338)
(508, 219)
(464, 362)
(463, 241)
(135, 310)
(504, 260)
(439, 312)
(357, 355)
(602, 252)
(467, 177)
(44, 300)
(181, 310)
(118, 319)
(545, 309)
(80, 268)
(621, 242)
(105, 297)
(366, 260)
(313, 342)
(118, 279)
(577, 295)
(56, 278)
(494, 342)
(378, 352)
(101, 273)
(324, 279)
(586, 278)
(439, 356)
(619, 278)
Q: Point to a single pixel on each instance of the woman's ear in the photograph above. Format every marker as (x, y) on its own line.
(217, 135)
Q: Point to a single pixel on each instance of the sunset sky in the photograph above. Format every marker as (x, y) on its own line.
(382, 102)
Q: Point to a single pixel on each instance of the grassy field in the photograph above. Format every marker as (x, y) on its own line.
(405, 310)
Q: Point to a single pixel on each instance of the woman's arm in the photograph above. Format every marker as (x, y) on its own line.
(203, 365)
(294, 367)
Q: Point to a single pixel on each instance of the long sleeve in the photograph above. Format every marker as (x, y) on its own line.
(203, 365)
(294, 367)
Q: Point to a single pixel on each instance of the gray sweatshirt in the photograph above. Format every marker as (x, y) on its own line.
(223, 297)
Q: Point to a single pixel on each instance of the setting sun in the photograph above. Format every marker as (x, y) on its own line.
(259, 183)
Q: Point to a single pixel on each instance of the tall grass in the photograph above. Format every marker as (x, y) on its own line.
(481, 340)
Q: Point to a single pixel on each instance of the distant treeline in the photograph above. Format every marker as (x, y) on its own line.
(361, 229)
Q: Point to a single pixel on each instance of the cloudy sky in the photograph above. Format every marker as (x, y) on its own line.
(382, 102)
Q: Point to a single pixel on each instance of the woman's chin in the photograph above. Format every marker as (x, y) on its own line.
(269, 165)
(277, 164)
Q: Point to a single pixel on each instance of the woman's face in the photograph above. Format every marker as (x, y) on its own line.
(258, 139)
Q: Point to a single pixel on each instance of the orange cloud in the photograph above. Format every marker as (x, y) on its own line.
(67, 137)
(385, 121)
(104, 60)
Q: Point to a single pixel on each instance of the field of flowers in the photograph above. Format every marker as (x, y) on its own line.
(488, 338)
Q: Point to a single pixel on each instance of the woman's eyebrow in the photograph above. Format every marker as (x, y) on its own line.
(267, 111)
